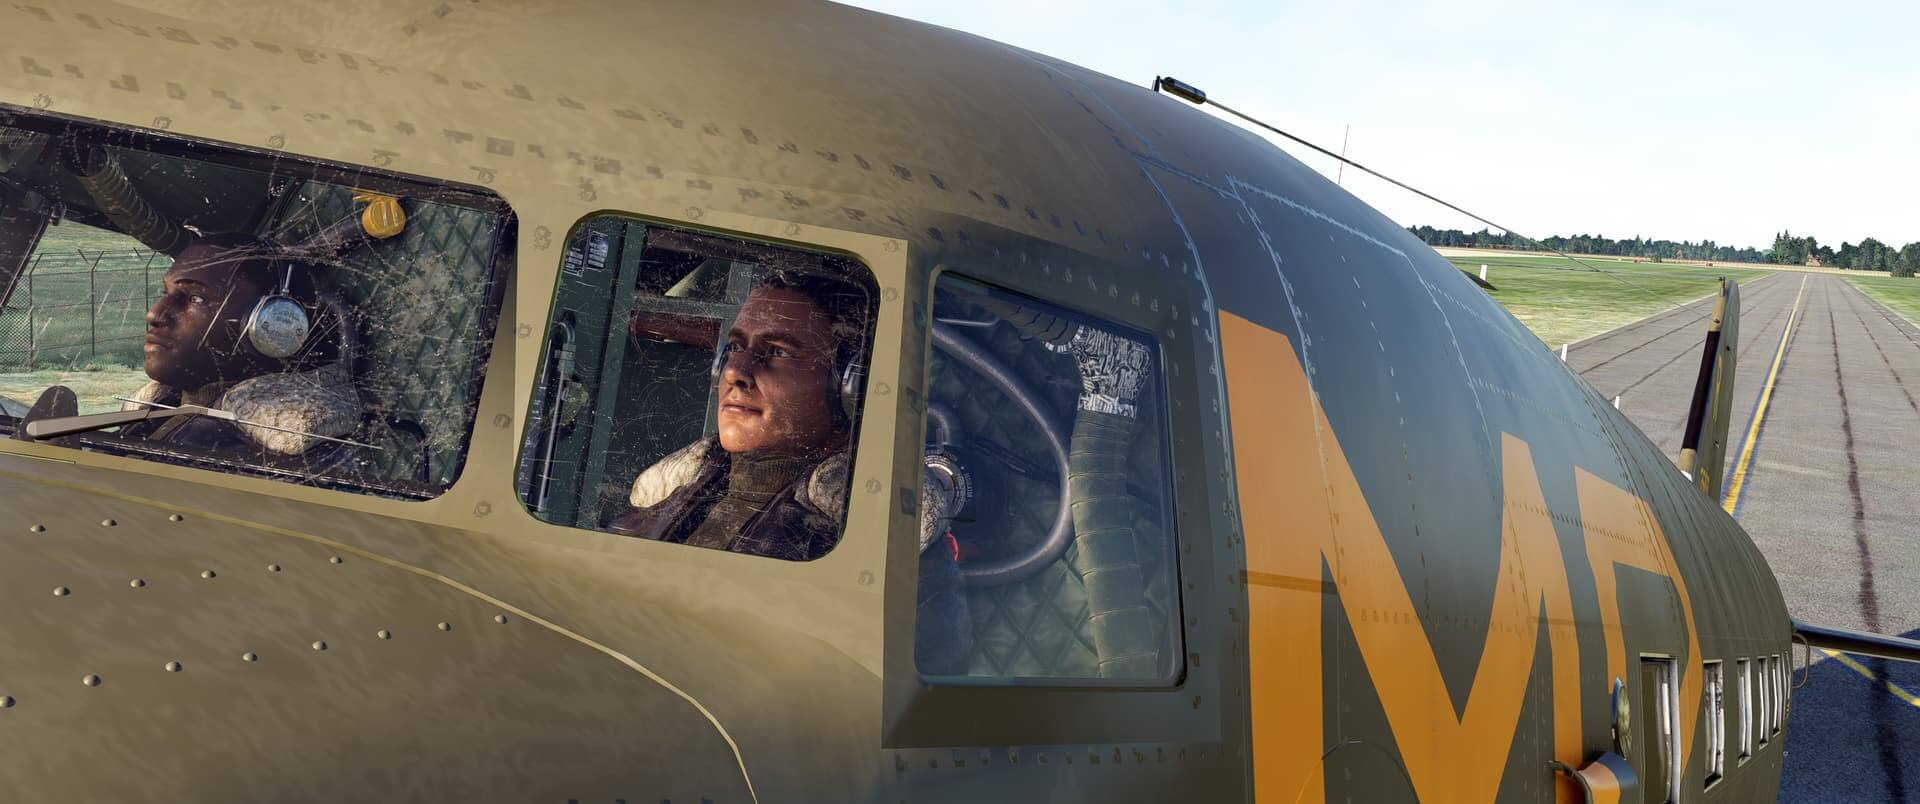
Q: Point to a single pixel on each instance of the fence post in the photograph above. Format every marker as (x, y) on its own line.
(93, 308)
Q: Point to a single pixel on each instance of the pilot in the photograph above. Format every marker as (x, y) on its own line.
(773, 481)
(219, 336)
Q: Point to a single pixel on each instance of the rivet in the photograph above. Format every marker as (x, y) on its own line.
(273, 567)
(207, 574)
(383, 634)
(249, 656)
(176, 518)
(446, 626)
(173, 667)
(136, 583)
(6, 702)
(500, 618)
(61, 591)
(37, 529)
(91, 680)
(335, 560)
(108, 523)
(321, 645)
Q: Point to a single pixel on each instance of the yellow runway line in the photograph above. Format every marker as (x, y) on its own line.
(1760, 411)
(1862, 670)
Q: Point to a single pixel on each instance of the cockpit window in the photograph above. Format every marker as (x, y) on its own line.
(1047, 539)
(699, 389)
(210, 306)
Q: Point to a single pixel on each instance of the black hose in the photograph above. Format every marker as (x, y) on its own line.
(116, 197)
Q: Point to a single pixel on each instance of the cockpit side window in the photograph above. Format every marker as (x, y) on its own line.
(211, 306)
(699, 389)
(1047, 553)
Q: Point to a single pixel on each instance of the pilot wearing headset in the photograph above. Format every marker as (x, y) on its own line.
(773, 480)
(234, 329)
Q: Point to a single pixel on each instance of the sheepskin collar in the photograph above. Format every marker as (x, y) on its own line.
(825, 492)
(321, 402)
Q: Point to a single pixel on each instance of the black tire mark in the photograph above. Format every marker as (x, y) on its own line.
(1882, 310)
(1898, 380)
(1739, 358)
(1868, 597)
(1693, 349)
(1656, 339)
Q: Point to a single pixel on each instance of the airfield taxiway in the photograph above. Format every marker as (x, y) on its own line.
(1830, 493)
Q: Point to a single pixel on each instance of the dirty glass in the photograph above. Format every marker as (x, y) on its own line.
(699, 389)
(1048, 556)
(248, 312)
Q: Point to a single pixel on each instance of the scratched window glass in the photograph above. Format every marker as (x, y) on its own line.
(243, 311)
(1047, 552)
(699, 389)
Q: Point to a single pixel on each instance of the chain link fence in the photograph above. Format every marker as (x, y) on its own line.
(82, 308)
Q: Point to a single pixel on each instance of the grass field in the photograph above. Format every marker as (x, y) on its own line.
(1563, 302)
(88, 293)
(1903, 295)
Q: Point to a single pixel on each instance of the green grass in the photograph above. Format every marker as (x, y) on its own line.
(1563, 302)
(95, 388)
(1900, 293)
(79, 317)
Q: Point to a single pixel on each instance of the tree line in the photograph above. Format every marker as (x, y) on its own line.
(1867, 255)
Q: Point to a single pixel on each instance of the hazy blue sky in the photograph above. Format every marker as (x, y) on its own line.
(1720, 120)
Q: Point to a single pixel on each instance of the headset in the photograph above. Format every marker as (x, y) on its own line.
(279, 325)
(846, 367)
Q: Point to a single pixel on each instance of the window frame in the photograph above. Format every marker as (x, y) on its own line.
(624, 300)
(1712, 672)
(1162, 403)
(1744, 673)
(288, 171)
(1763, 691)
(1190, 712)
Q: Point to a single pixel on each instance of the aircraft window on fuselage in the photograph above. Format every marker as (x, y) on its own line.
(1779, 693)
(699, 389)
(1047, 542)
(1744, 677)
(247, 312)
(1763, 690)
(1716, 722)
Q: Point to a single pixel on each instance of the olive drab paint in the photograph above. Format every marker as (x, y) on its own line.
(1414, 552)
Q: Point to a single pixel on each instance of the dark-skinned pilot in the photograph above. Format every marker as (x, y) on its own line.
(773, 480)
(199, 351)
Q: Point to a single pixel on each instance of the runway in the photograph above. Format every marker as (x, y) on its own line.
(1830, 493)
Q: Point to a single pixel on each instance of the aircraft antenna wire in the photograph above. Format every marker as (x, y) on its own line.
(1195, 96)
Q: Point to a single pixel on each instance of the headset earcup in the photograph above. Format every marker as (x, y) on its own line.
(278, 327)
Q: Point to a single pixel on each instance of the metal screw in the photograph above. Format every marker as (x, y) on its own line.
(335, 560)
(136, 583)
(383, 634)
(249, 656)
(173, 667)
(273, 567)
(500, 618)
(61, 591)
(320, 645)
(38, 529)
(108, 523)
(207, 574)
(91, 680)
(6, 702)
(176, 518)
(446, 626)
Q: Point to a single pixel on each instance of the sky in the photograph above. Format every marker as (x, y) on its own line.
(1728, 121)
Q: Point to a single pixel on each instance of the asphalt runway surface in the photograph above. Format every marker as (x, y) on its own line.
(1831, 495)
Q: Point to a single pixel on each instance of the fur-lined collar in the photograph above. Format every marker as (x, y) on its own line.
(321, 402)
(826, 490)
